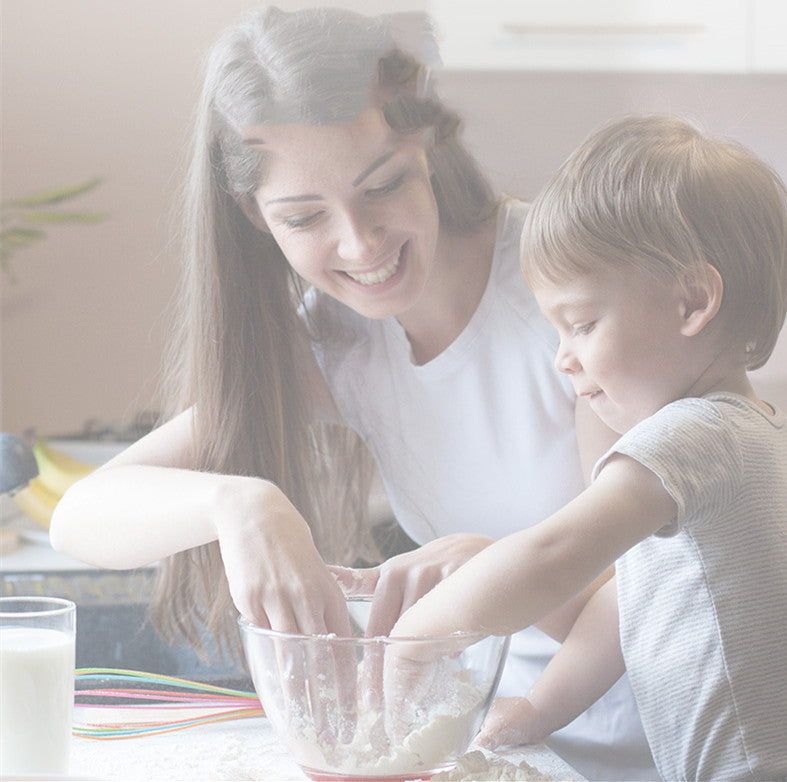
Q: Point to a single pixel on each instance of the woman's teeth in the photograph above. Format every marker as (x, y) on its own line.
(379, 275)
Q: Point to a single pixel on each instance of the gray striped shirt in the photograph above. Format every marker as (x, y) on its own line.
(703, 602)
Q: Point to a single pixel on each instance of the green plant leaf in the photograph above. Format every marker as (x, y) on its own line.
(63, 217)
(56, 196)
(18, 218)
(19, 237)
(14, 239)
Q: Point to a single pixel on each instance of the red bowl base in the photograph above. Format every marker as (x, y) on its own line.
(326, 776)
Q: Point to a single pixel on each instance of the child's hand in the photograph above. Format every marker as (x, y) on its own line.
(511, 722)
(414, 674)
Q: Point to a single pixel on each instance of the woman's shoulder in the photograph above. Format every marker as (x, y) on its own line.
(507, 279)
(511, 217)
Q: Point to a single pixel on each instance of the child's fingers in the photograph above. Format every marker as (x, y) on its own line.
(510, 722)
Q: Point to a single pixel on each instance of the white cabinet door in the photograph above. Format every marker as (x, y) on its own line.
(735, 36)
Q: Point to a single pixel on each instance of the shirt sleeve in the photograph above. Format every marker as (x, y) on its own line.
(689, 445)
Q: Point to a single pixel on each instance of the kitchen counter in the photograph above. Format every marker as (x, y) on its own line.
(241, 749)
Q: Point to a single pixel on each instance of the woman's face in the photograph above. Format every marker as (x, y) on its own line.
(352, 208)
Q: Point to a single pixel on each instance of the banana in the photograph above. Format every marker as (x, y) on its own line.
(37, 502)
(56, 470)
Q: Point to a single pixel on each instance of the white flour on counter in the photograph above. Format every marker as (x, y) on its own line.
(239, 750)
(476, 765)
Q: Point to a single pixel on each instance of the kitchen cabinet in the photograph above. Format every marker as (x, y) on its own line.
(710, 36)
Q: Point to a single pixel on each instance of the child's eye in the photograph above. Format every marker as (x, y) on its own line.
(584, 328)
(386, 188)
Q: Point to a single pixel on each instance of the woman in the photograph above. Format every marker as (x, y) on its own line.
(352, 287)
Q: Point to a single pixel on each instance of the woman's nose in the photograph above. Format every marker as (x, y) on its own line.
(360, 238)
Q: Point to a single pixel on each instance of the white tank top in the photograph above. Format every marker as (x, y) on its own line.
(479, 439)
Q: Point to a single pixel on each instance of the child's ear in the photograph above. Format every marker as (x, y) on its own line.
(251, 209)
(701, 299)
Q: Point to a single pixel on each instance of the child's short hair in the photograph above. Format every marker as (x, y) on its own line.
(654, 193)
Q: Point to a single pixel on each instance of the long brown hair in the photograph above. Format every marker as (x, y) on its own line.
(241, 342)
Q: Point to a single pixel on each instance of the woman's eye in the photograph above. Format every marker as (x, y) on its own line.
(386, 188)
(301, 221)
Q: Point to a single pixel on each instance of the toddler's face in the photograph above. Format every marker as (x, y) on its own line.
(620, 343)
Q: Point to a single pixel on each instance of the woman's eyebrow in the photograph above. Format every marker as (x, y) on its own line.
(290, 199)
(373, 167)
(357, 181)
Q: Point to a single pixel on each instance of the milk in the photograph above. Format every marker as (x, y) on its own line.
(36, 700)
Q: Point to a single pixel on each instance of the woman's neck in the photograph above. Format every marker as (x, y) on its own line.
(452, 293)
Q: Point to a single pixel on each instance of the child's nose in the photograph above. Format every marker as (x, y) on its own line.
(566, 361)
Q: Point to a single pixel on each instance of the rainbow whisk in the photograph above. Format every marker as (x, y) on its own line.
(136, 690)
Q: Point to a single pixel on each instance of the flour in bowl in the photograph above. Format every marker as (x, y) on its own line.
(445, 724)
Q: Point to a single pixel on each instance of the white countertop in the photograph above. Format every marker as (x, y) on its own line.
(241, 749)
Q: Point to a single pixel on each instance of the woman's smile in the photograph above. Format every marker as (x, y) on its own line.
(380, 274)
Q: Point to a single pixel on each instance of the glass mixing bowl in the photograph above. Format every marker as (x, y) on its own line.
(373, 708)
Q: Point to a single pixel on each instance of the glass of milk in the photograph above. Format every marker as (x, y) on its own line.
(37, 636)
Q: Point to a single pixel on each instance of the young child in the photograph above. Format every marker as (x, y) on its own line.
(660, 256)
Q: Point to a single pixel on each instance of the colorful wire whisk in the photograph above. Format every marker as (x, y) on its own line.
(137, 690)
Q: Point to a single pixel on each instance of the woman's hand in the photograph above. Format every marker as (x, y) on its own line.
(400, 581)
(276, 577)
(278, 581)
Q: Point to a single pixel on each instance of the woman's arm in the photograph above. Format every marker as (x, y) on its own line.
(149, 502)
(521, 578)
(144, 504)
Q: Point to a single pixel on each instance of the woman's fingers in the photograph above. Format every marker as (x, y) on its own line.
(406, 578)
(338, 665)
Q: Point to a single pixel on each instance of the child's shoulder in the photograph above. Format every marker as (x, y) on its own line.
(710, 441)
(717, 410)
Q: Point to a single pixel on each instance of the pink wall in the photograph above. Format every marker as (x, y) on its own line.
(90, 90)
(522, 125)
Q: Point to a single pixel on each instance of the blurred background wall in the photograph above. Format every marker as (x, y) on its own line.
(106, 88)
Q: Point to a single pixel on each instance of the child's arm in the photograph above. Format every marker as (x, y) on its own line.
(521, 578)
(587, 664)
(558, 623)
